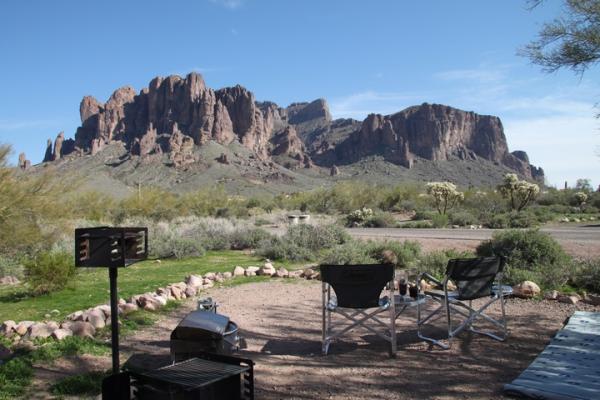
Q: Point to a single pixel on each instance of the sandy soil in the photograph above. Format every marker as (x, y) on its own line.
(281, 322)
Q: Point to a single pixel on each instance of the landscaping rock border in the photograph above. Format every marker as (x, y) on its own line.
(84, 323)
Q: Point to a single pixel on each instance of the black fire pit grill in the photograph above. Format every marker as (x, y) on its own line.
(111, 248)
(203, 331)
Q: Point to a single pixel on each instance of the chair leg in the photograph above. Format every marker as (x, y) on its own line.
(392, 311)
(449, 319)
(421, 322)
(326, 321)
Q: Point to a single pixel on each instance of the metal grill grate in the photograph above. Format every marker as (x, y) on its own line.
(194, 373)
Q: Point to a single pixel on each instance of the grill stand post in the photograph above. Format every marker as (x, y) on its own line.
(114, 319)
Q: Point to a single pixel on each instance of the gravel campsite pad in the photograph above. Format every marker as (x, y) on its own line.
(281, 322)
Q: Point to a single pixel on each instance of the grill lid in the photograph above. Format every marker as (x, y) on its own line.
(201, 323)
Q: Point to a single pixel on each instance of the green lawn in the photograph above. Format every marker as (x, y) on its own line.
(90, 286)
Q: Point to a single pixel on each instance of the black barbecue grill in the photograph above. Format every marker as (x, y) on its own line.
(203, 331)
(207, 377)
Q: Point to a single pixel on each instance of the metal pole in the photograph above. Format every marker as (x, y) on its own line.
(114, 318)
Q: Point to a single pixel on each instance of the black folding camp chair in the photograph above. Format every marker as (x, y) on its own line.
(474, 278)
(357, 291)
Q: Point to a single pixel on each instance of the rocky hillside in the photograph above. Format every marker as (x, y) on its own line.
(173, 119)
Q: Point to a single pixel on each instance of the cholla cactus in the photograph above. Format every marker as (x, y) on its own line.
(519, 193)
(580, 198)
(445, 195)
(358, 217)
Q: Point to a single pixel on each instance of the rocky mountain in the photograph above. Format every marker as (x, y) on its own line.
(170, 121)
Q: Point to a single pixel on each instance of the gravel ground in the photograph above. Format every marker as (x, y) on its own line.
(281, 322)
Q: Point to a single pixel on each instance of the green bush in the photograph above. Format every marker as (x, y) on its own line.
(347, 253)
(587, 275)
(49, 271)
(498, 221)
(521, 219)
(421, 215)
(316, 238)
(417, 225)
(10, 266)
(248, 238)
(381, 220)
(278, 249)
(407, 253)
(435, 262)
(532, 251)
(463, 218)
(439, 220)
(185, 248)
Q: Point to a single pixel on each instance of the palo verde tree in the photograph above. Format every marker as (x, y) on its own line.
(570, 41)
(444, 194)
(519, 193)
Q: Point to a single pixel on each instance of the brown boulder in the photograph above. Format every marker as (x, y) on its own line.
(82, 329)
(526, 289)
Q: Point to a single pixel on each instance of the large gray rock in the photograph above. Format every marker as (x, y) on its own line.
(23, 326)
(194, 280)
(238, 271)
(128, 308)
(40, 330)
(97, 321)
(82, 329)
(191, 291)
(60, 334)
(8, 327)
(526, 290)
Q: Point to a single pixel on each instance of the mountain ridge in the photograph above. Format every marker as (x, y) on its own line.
(168, 121)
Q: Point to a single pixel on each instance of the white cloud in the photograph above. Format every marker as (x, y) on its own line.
(564, 145)
(8, 125)
(476, 75)
(230, 4)
(359, 105)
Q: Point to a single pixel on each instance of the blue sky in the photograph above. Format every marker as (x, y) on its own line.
(362, 56)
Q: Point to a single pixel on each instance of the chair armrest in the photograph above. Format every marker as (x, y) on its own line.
(430, 278)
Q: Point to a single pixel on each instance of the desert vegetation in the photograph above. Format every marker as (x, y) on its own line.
(210, 230)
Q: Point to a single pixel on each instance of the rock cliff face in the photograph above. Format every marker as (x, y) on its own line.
(434, 132)
(173, 115)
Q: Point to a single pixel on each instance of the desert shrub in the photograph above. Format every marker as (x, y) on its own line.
(185, 248)
(407, 252)
(417, 225)
(529, 250)
(498, 221)
(92, 205)
(380, 220)
(463, 218)
(439, 220)
(152, 203)
(444, 195)
(316, 238)
(10, 266)
(211, 233)
(49, 271)
(249, 238)
(421, 215)
(261, 222)
(435, 262)
(278, 249)
(347, 253)
(587, 275)
(542, 214)
(521, 220)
